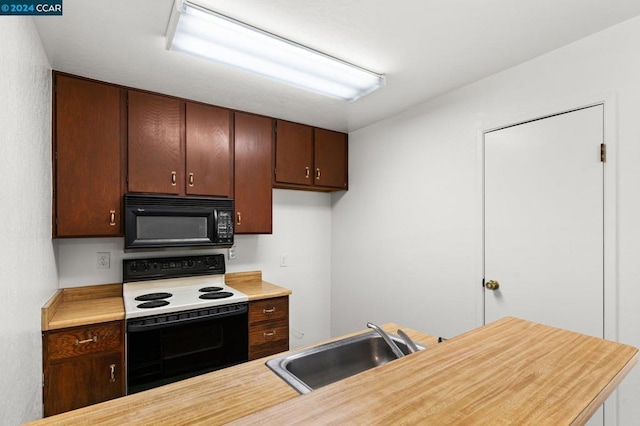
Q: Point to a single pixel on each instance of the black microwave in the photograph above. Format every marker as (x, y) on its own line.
(159, 221)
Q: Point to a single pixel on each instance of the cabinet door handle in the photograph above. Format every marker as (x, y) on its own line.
(82, 342)
(306, 173)
(239, 218)
(173, 178)
(269, 334)
(190, 179)
(269, 311)
(112, 371)
(112, 218)
(318, 174)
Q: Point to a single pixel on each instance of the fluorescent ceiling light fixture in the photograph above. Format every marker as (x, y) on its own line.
(201, 32)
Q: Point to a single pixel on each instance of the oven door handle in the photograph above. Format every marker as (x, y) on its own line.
(177, 318)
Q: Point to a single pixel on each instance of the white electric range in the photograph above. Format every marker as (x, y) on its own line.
(181, 319)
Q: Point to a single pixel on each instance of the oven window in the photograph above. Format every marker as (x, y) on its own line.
(164, 355)
(171, 227)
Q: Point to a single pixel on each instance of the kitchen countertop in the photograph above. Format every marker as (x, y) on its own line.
(77, 306)
(508, 372)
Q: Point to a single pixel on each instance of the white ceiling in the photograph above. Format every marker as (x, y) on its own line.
(425, 47)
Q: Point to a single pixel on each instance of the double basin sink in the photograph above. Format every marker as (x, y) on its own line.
(318, 366)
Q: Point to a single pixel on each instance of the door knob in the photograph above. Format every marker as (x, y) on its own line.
(492, 285)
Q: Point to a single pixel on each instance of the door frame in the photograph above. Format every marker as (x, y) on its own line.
(610, 278)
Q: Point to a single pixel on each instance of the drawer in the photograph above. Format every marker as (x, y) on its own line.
(269, 310)
(84, 340)
(268, 339)
(265, 333)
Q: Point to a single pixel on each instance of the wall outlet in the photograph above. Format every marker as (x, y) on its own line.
(103, 260)
(284, 260)
(232, 252)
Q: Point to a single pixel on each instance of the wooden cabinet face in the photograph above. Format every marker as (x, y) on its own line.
(330, 159)
(83, 366)
(209, 160)
(253, 162)
(156, 157)
(294, 153)
(268, 327)
(82, 382)
(88, 147)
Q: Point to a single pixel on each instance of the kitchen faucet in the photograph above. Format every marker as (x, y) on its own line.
(394, 348)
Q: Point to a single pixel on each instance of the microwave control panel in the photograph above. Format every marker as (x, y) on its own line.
(225, 226)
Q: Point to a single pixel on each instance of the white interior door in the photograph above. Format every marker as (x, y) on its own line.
(544, 221)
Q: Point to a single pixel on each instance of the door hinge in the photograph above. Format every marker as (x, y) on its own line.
(603, 153)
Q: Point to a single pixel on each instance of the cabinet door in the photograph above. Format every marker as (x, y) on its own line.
(156, 157)
(330, 159)
(83, 381)
(88, 167)
(208, 147)
(294, 153)
(253, 152)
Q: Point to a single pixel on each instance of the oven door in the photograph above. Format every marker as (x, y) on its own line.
(166, 348)
(169, 221)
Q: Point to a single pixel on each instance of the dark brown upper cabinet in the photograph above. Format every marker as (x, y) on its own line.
(88, 145)
(209, 148)
(294, 153)
(253, 162)
(177, 147)
(309, 158)
(331, 159)
(156, 146)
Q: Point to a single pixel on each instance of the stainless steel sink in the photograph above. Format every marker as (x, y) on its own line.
(318, 366)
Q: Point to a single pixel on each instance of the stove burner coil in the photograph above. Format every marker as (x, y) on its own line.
(153, 296)
(216, 295)
(209, 289)
(153, 304)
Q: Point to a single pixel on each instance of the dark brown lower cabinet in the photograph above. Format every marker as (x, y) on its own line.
(268, 327)
(82, 366)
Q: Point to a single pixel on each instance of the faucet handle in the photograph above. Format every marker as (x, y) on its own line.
(408, 341)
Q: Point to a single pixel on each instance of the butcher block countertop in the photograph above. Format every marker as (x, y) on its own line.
(251, 284)
(71, 307)
(508, 372)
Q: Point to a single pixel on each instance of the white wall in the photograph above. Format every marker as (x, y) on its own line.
(406, 235)
(28, 274)
(301, 230)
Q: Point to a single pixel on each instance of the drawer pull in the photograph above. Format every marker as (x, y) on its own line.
(173, 178)
(269, 311)
(82, 342)
(191, 179)
(112, 218)
(270, 334)
(112, 369)
(306, 172)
